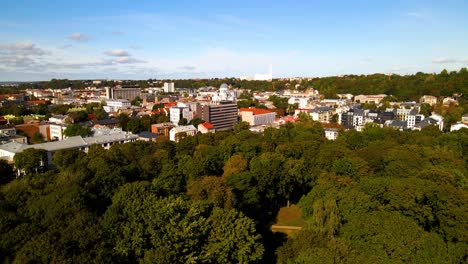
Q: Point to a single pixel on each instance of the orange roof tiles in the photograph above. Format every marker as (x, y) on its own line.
(255, 111)
(208, 125)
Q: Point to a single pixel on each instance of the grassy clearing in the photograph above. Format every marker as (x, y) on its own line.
(290, 216)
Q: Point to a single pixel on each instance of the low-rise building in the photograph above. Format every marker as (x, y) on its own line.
(331, 133)
(369, 98)
(428, 99)
(458, 126)
(257, 117)
(147, 136)
(206, 127)
(187, 130)
(162, 129)
(58, 119)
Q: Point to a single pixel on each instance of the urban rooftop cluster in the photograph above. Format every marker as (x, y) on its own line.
(78, 118)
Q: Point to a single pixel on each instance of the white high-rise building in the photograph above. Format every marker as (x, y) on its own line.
(169, 87)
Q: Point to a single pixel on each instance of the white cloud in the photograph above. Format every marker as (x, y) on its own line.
(22, 48)
(117, 53)
(443, 60)
(80, 37)
(127, 60)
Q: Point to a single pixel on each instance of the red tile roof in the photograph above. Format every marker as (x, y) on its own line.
(208, 125)
(170, 104)
(35, 102)
(255, 111)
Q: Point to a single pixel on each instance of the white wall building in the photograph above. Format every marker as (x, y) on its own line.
(331, 133)
(301, 101)
(169, 87)
(257, 117)
(188, 130)
(178, 112)
(112, 105)
(369, 98)
(428, 99)
(206, 127)
(224, 94)
(58, 119)
(458, 126)
(56, 132)
(439, 121)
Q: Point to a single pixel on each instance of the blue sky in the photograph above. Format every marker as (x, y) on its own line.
(142, 39)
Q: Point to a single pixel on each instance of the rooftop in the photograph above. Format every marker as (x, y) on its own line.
(255, 111)
(208, 125)
(180, 129)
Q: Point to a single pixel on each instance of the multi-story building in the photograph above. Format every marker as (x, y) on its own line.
(56, 131)
(257, 117)
(413, 118)
(222, 115)
(302, 102)
(176, 113)
(169, 87)
(113, 105)
(352, 118)
(123, 93)
(322, 114)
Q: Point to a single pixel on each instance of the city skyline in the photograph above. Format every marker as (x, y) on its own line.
(117, 40)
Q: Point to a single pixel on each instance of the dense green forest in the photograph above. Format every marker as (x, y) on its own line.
(379, 196)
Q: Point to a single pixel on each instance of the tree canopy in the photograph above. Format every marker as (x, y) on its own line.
(375, 196)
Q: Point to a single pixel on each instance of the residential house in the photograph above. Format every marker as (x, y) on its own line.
(428, 99)
(206, 127)
(331, 133)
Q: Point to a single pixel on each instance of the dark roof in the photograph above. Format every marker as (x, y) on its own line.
(321, 109)
(112, 121)
(146, 134)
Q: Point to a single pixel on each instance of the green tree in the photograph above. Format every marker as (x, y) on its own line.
(241, 126)
(6, 172)
(196, 121)
(37, 138)
(31, 160)
(183, 122)
(123, 121)
(64, 158)
(77, 130)
(134, 125)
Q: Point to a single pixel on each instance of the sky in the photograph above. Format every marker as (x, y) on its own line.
(142, 39)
